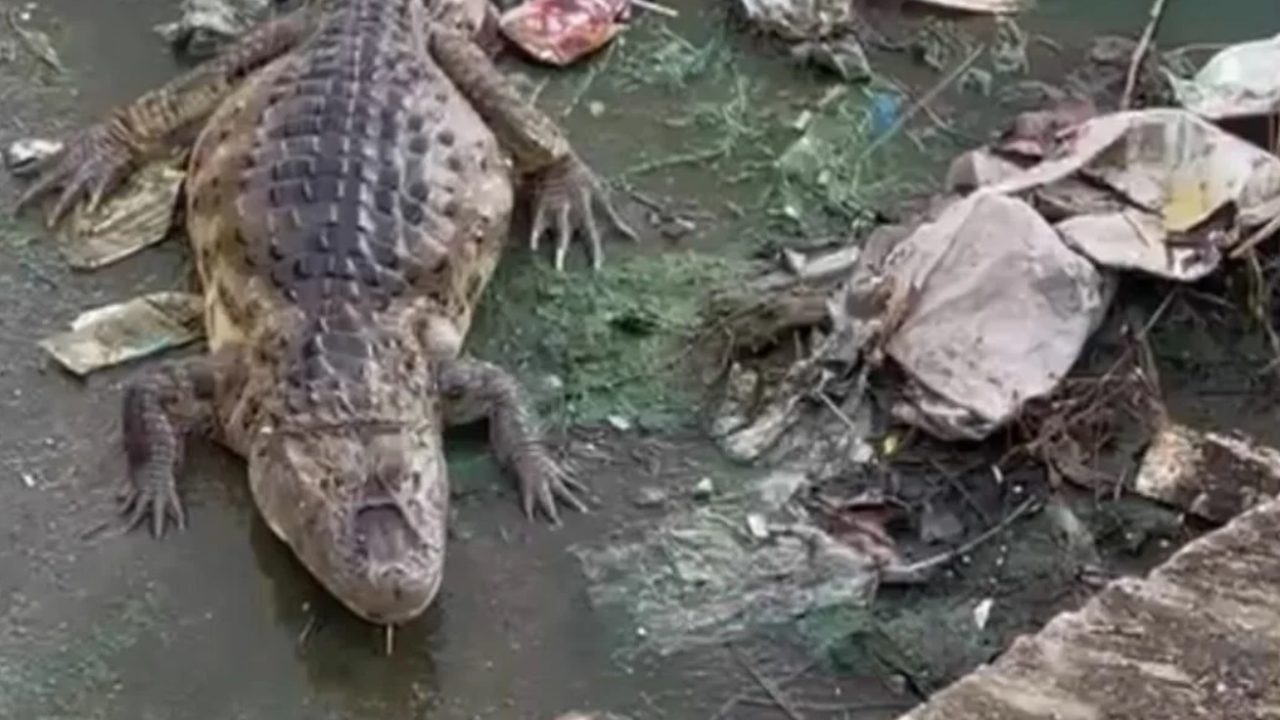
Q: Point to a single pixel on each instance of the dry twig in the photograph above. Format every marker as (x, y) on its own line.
(656, 8)
(1266, 231)
(918, 572)
(1259, 307)
(745, 694)
(847, 707)
(1085, 406)
(771, 689)
(307, 630)
(1140, 53)
(919, 105)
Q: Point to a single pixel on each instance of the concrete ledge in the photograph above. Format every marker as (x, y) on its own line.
(1198, 638)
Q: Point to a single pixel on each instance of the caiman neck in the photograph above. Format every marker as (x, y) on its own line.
(356, 371)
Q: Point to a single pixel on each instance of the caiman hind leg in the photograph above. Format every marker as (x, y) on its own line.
(566, 192)
(99, 158)
(471, 390)
(161, 409)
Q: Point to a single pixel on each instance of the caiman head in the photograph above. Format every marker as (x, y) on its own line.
(363, 507)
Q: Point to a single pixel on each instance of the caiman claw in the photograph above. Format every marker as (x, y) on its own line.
(543, 482)
(565, 200)
(152, 497)
(91, 165)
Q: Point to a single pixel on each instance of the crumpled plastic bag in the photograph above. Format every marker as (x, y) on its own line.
(117, 333)
(1240, 81)
(841, 55)
(801, 20)
(137, 216)
(205, 26)
(1184, 190)
(558, 32)
(998, 310)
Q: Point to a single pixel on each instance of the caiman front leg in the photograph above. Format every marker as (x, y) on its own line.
(98, 158)
(566, 191)
(161, 408)
(471, 390)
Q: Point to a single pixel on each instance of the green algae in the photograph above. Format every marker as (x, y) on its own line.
(596, 345)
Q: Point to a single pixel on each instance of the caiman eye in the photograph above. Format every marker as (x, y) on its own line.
(449, 390)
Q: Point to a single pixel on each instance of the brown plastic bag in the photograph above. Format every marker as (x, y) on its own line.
(559, 32)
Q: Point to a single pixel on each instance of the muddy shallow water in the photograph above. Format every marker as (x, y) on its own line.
(218, 621)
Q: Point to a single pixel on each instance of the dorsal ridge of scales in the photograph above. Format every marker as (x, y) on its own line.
(337, 156)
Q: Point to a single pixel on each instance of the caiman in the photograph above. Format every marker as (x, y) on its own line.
(352, 172)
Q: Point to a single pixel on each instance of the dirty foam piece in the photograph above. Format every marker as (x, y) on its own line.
(1191, 190)
(136, 217)
(1215, 477)
(117, 333)
(1000, 311)
(558, 32)
(205, 26)
(1239, 81)
(822, 32)
(801, 20)
(843, 55)
(23, 157)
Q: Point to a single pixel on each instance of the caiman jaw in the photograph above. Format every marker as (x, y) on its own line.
(390, 548)
(365, 513)
(395, 581)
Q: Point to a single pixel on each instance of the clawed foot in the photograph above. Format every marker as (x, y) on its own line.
(91, 165)
(154, 499)
(567, 195)
(543, 482)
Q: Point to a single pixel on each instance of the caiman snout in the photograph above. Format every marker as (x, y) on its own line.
(395, 586)
(392, 594)
(364, 513)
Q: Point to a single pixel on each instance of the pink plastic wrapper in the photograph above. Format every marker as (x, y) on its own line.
(559, 32)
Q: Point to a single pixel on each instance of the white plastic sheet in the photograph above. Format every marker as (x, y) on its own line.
(991, 7)
(1001, 309)
(114, 334)
(1240, 81)
(1185, 190)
